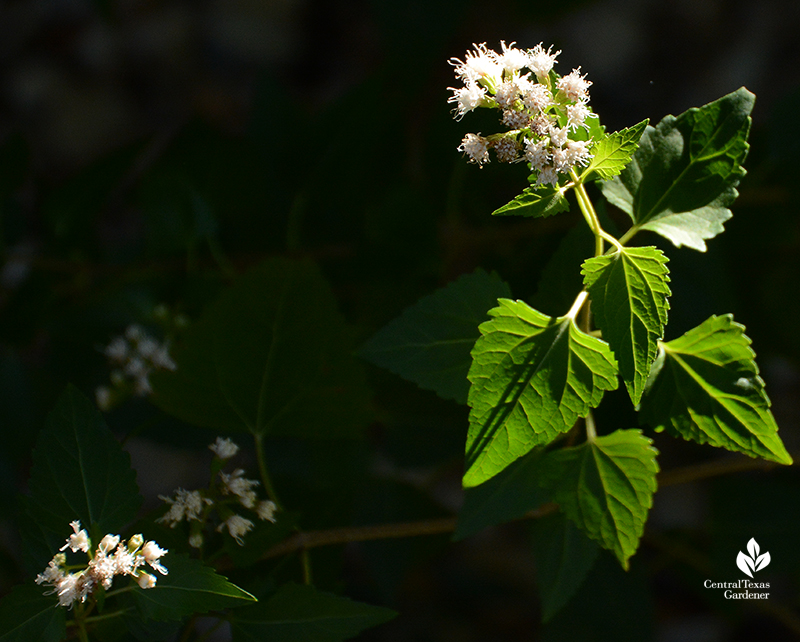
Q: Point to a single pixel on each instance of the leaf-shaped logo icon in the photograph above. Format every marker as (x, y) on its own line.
(743, 562)
(753, 562)
(762, 561)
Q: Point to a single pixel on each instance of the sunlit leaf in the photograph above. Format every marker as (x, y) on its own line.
(613, 153)
(629, 294)
(298, 613)
(430, 342)
(682, 178)
(537, 202)
(532, 377)
(705, 387)
(606, 486)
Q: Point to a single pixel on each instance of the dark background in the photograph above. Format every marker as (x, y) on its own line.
(322, 129)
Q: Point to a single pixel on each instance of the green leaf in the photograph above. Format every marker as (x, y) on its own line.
(79, 472)
(298, 613)
(509, 495)
(272, 356)
(430, 342)
(606, 487)
(705, 387)
(683, 176)
(27, 614)
(629, 294)
(613, 153)
(532, 377)
(564, 556)
(190, 587)
(538, 202)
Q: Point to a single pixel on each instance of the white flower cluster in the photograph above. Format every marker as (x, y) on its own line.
(135, 355)
(233, 488)
(540, 109)
(113, 557)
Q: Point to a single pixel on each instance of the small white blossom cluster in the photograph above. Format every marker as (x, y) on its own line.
(134, 356)
(112, 557)
(540, 109)
(230, 490)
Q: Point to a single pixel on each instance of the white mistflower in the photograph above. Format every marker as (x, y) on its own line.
(237, 526)
(479, 65)
(537, 153)
(146, 581)
(186, 505)
(511, 59)
(558, 136)
(578, 152)
(561, 160)
(266, 510)
(575, 86)
(152, 552)
(196, 540)
(103, 398)
(506, 150)
(467, 98)
(224, 448)
(547, 176)
(101, 569)
(577, 115)
(515, 119)
(507, 93)
(236, 484)
(537, 98)
(117, 350)
(540, 61)
(79, 540)
(476, 147)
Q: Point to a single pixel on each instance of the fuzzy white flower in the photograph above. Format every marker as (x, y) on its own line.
(506, 150)
(117, 350)
(266, 510)
(479, 65)
(237, 526)
(511, 59)
(79, 540)
(577, 115)
(186, 505)
(101, 569)
(103, 398)
(540, 61)
(547, 176)
(224, 448)
(515, 119)
(507, 93)
(152, 552)
(467, 98)
(476, 147)
(196, 540)
(558, 136)
(578, 152)
(146, 581)
(574, 86)
(236, 484)
(537, 98)
(537, 153)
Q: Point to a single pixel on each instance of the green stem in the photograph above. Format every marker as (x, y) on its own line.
(591, 433)
(264, 472)
(629, 235)
(80, 614)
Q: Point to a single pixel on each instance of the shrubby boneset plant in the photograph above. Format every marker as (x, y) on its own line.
(531, 379)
